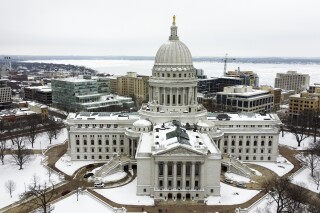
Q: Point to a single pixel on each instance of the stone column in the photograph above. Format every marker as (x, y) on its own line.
(177, 96)
(183, 92)
(165, 175)
(156, 175)
(150, 93)
(183, 175)
(202, 175)
(192, 175)
(164, 96)
(195, 95)
(159, 95)
(171, 96)
(174, 175)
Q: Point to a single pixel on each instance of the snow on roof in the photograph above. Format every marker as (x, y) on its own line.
(102, 116)
(142, 123)
(245, 116)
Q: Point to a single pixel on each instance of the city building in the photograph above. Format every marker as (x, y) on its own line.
(249, 78)
(5, 95)
(304, 102)
(292, 80)
(177, 147)
(276, 92)
(312, 88)
(245, 99)
(41, 94)
(134, 86)
(214, 85)
(80, 94)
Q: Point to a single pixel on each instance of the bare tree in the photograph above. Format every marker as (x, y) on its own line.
(299, 127)
(54, 128)
(316, 178)
(34, 123)
(10, 186)
(311, 161)
(42, 195)
(3, 148)
(298, 196)
(277, 188)
(19, 151)
(315, 148)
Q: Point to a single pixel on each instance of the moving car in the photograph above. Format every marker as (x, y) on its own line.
(89, 174)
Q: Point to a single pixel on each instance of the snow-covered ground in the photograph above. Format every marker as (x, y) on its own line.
(67, 166)
(305, 178)
(266, 205)
(281, 167)
(231, 195)
(22, 178)
(256, 172)
(42, 141)
(126, 195)
(236, 177)
(85, 204)
(114, 177)
(289, 140)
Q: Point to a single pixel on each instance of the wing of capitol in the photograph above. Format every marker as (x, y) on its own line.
(176, 146)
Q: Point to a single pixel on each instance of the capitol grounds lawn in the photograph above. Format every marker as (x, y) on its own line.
(42, 141)
(86, 203)
(289, 140)
(22, 178)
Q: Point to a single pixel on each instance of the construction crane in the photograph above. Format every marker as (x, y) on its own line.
(225, 60)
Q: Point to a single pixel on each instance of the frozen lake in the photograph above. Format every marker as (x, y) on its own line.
(266, 72)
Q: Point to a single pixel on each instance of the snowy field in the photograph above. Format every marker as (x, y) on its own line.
(281, 167)
(86, 203)
(236, 177)
(42, 141)
(68, 167)
(22, 178)
(231, 195)
(289, 140)
(305, 178)
(126, 195)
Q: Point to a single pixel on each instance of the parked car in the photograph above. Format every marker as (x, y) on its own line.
(98, 184)
(241, 184)
(227, 180)
(89, 174)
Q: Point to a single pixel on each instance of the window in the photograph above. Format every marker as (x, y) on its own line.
(100, 150)
(211, 190)
(269, 158)
(78, 157)
(114, 149)
(255, 143)
(247, 157)
(99, 142)
(107, 142)
(92, 149)
(232, 143)
(254, 158)
(121, 142)
(77, 142)
(85, 142)
(247, 150)
(262, 143)
(144, 190)
(114, 142)
(92, 156)
(78, 150)
(85, 157)
(92, 142)
(270, 143)
(261, 158)
(226, 143)
(248, 143)
(232, 150)
(240, 143)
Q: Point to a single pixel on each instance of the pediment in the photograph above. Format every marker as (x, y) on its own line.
(179, 151)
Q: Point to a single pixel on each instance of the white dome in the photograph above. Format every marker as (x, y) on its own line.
(173, 52)
(142, 123)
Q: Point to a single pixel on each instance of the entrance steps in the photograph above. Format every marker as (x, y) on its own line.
(235, 166)
(113, 166)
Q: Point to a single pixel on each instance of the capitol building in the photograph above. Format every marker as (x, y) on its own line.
(177, 147)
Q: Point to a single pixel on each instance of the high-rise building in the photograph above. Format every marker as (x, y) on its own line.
(41, 94)
(249, 78)
(292, 80)
(5, 94)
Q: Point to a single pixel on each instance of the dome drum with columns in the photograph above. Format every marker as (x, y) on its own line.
(173, 84)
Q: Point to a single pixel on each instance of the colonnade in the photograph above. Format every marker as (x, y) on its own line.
(173, 96)
(179, 179)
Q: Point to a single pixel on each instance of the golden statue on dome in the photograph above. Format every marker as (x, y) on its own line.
(174, 19)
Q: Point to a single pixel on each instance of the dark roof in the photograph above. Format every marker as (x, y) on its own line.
(181, 134)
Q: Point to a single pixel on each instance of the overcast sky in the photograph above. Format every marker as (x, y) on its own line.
(138, 27)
